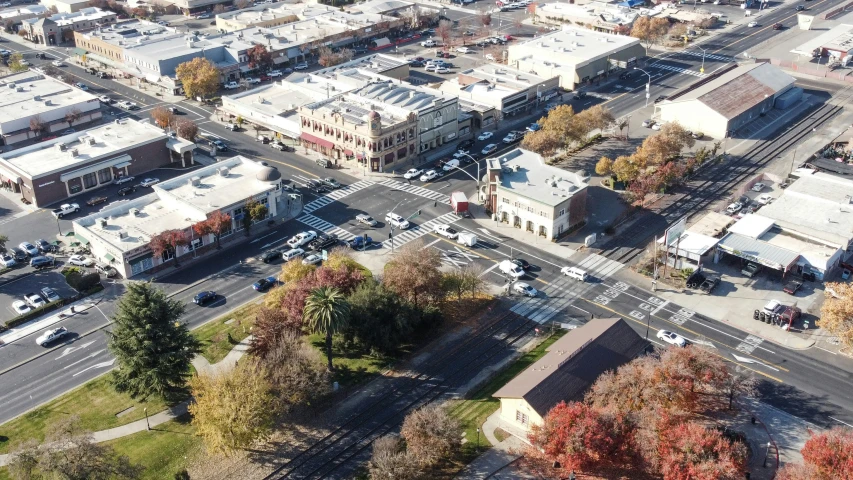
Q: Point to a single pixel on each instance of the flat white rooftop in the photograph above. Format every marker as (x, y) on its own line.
(262, 13)
(45, 157)
(838, 38)
(525, 173)
(572, 45)
(83, 15)
(22, 10)
(23, 95)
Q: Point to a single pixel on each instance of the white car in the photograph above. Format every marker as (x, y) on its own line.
(149, 182)
(733, 208)
(446, 231)
(34, 300)
(758, 187)
(672, 338)
(51, 335)
(20, 307)
(656, 126)
(57, 63)
(463, 50)
(129, 178)
(442, 70)
(451, 165)
(490, 57)
(413, 173)
(485, 136)
(752, 24)
(489, 149)
(29, 248)
(301, 66)
(312, 259)
(431, 67)
(365, 219)
(397, 221)
(301, 238)
(7, 260)
(764, 199)
(253, 80)
(429, 175)
(105, 99)
(80, 261)
(525, 289)
(461, 153)
(275, 73)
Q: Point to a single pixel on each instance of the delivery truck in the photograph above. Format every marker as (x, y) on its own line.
(459, 203)
(466, 238)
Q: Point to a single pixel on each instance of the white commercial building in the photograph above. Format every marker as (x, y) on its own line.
(66, 6)
(720, 105)
(531, 195)
(30, 99)
(509, 90)
(120, 233)
(598, 16)
(577, 55)
(269, 15)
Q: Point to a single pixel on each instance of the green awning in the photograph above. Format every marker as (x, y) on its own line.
(109, 257)
(80, 51)
(80, 239)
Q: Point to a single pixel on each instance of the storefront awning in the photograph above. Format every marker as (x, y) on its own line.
(348, 152)
(279, 60)
(122, 165)
(109, 258)
(79, 51)
(245, 68)
(316, 140)
(81, 240)
(94, 168)
(758, 251)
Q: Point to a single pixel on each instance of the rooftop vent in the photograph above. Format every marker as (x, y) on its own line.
(224, 171)
(102, 222)
(122, 234)
(74, 153)
(47, 103)
(134, 212)
(19, 89)
(195, 181)
(61, 147)
(515, 168)
(11, 85)
(90, 140)
(37, 98)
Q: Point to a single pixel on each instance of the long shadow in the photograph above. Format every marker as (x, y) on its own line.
(815, 409)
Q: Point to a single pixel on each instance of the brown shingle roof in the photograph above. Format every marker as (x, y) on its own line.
(574, 362)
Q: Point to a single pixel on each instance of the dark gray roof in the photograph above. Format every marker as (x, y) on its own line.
(574, 362)
(268, 174)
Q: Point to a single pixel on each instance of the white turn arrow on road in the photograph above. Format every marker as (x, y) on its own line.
(97, 365)
(750, 360)
(489, 234)
(69, 350)
(91, 355)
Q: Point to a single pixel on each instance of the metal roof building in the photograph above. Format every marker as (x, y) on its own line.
(722, 103)
(570, 367)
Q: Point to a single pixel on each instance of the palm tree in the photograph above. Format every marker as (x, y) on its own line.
(326, 311)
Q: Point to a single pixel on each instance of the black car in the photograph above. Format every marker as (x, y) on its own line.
(219, 145)
(416, 63)
(800, 8)
(18, 253)
(709, 284)
(661, 98)
(521, 263)
(41, 262)
(465, 145)
(126, 191)
(44, 246)
(203, 298)
(579, 95)
(315, 186)
(271, 256)
(625, 75)
(323, 242)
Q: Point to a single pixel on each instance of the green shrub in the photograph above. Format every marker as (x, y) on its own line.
(35, 313)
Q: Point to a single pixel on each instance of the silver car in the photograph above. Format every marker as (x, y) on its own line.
(365, 219)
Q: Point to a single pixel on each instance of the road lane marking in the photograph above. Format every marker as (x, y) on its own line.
(261, 238)
(70, 350)
(108, 363)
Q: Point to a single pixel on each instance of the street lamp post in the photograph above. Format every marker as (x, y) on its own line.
(147, 425)
(478, 439)
(57, 226)
(391, 235)
(702, 68)
(648, 84)
(478, 173)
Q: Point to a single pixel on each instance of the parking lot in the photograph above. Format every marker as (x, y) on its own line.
(33, 283)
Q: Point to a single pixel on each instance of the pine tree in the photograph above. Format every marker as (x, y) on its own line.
(152, 348)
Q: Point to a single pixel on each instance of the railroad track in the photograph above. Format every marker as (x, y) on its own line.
(720, 178)
(343, 447)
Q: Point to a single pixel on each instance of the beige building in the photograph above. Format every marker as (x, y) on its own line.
(379, 136)
(61, 28)
(525, 192)
(270, 15)
(568, 369)
(66, 6)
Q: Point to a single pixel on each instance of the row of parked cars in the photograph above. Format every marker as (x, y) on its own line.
(35, 252)
(33, 301)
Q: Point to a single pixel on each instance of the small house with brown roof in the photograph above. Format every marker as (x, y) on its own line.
(570, 367)
(725, 101)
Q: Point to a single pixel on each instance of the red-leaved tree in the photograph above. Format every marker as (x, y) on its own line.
(827, 455)
(168, 241)
(689, 451)
(581, 437)
(215, 224)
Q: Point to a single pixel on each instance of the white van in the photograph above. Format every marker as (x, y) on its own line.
(511, 269)
(467, 238)
(291, 254)
(575, 272)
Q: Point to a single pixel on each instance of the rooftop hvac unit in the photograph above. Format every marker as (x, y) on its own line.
(47, 103)
(90, 140)
(134, 212)
(74, 153)
(224, 171)
(37, 98)
(195, 181)
(61, 147)
(515, 168)
(102, 222)
(11, 85)
(19, 89)
(122, 234)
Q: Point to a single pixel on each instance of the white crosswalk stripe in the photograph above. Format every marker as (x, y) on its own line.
(320, 224)
(720, 58)
(405, 236)
(334, 195)
(300, 180)
(664, 66)
(419, 191)
(556, 296)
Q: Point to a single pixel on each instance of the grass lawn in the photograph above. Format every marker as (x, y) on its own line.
(214, 335)
(164, 451)
(96, 402)
(474, 411)
(351, 367)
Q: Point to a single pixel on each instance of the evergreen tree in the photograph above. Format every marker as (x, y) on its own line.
(152, 348)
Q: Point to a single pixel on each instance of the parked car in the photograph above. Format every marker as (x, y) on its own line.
(80, 261)
(51, 336)
(429, 175)
(758, 187)
(764, 199)
(485, 136)
(124, 179)
(7, 260)
(20, 307)
(365, 219)
(253, 80)
(40, 262)
(533, 127)
(648, 123)
(490, 148)
(50, 295)
(149, 182)
(733, 208)
(792, 286)
(750, 269)
(672, 338)
(205, 297)
(709, 284)
(312, 259)
(44, 246)
(126, 191)
(28, 247)
(301, 66)
(106, 269)
(96, 201)
(275, 73)
(413, 173)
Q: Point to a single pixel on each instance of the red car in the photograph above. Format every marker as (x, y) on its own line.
(265, 78)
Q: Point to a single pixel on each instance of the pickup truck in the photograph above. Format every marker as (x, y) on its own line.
(231, 85)
(750, 270)
(709, 284)
(96, 201)
(65, 209)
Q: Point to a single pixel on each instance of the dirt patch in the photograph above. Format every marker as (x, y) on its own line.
(501, 434)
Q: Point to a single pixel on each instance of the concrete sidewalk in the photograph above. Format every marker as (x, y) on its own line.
(202, 366)
(33, 326)
(499, 455)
